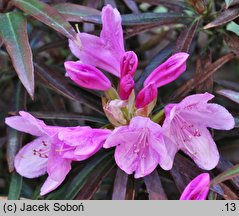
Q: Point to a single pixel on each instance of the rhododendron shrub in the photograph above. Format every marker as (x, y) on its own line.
(132, 101)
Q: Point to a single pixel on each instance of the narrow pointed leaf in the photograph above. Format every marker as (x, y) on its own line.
(94, 180)
(227, 175)
(232, 41)
(224, 17)
(58, 82)
(120, 185)
(76, 12)
(232, 95)
(73, 186)
(13, 32)
(185, 38)
(46, 14)
(154, 186)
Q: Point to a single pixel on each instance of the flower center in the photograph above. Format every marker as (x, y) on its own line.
(42, 151)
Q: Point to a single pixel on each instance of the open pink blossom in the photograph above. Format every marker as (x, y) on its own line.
(87, 76)
(139, 147)
(53, 151)
(197, 189)
(185, 128)
(106, 51)
(162, 75)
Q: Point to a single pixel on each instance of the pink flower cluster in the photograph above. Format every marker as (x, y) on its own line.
(141, 144)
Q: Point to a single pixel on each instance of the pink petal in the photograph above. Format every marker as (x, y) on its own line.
(87, 76)
(197, 189)
(146, 95)
(87, 141)
(26, 123)
(49, 186)
(211, 115)
(92, 45)
(31, 160)
(57, 167)
(128, 64)
(147, 163)
(202, 149)
(126, 86)
(112, 32)
(168, 71)
(125, 158)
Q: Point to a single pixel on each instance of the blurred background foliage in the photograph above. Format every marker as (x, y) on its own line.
(34, 45)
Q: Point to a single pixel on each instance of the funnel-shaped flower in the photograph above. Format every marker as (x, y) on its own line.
(87, 76)
(139, 147)
(186, 123)
(51, 152)
(107, 50)
(197, 189)
(162, 75)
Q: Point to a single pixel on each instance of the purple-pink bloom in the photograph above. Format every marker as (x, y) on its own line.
(197, 189)
(107, 50)
(53, 151)
(87, 76)
(139, 147)
(185, 128)
(162, 75)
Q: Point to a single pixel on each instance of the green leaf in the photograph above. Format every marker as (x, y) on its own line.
(48, 15)
(72, 187)
(14, 143)
(77, 13)
(13, 32)
(233, 27)
(227, 175)
(15, 186)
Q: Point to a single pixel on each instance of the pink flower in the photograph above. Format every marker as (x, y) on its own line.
(139, 147)
(185, 128)
(197, 189)
(54, 149)
(162, 75)
(87, 76)
(107, 50)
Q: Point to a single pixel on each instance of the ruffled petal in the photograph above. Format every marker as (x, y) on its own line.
(31, 160)
(26, 123)
(87, 76)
